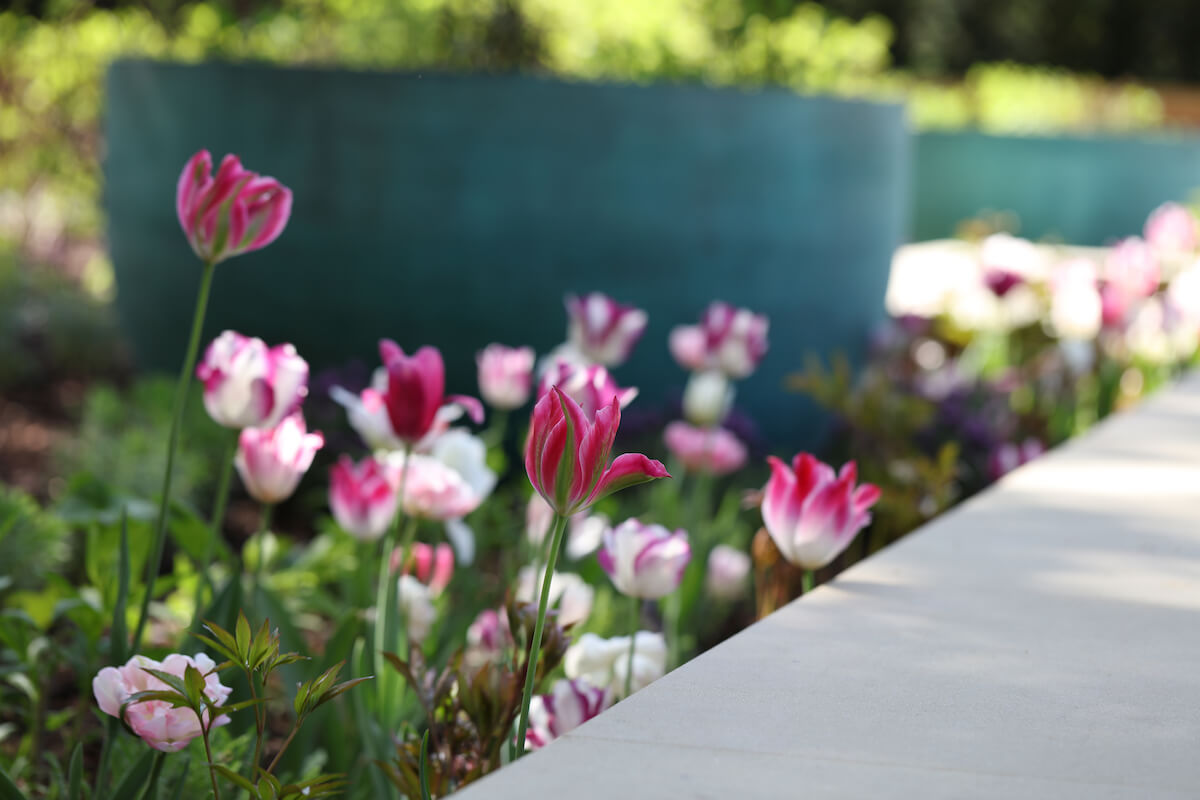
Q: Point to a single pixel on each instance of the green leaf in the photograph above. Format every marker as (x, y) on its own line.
(234, 778)
(135, 778)
(75, 774)
(8, 789)
(243, 638)
(424, 768)
(193, 680)
(119, 636)
(174, 681)
(179, 784)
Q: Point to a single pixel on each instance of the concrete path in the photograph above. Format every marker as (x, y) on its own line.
(1041, 641)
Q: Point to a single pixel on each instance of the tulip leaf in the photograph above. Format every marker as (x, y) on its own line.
(424, 766)
(8, 789)
(135, 778)
(75, 774)
(182, 780)
(119, 635)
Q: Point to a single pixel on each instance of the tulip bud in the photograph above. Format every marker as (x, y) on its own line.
(707, 398)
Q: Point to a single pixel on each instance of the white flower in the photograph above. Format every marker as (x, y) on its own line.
(416, 605)
(707, 398)
(570, 593)
(605, 662)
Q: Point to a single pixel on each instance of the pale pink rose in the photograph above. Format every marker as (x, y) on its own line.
(160, 726)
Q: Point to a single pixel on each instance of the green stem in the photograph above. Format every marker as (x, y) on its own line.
(807, 580)
(164, 503)
(260, 725)
(385, 598)
(672, 611)
(214, 525)
(265, 527)
(212, 773)
(283, 749)
(151, 790)
(637, 618)
(560, 524)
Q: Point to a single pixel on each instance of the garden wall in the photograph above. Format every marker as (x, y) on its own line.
(1036, 642)
(459, 210)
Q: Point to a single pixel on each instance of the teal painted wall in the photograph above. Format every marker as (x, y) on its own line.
(1085, 191)
(457, 211)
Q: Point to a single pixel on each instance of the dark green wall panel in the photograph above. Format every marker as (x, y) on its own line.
(458, 210)
(1085, 191)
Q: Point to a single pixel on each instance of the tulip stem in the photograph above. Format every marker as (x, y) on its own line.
(215, 526)
(807, 580)
(260, 557)
(164, 502)
(535, 646)
(637, 622)
(385, 599)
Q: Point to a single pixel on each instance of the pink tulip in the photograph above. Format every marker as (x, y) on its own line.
(432, 489)
(233, 213)
(713, 451)
(487, 639)
(250, 385)
(271, 462)
(813, 514)
(645, 560)
(1171, 228)
(602, 330)
(569, 705)
(1132, 267)
(566, 455)
(362, 497)
(733, 340)
(505, 375)
(160, 726)
(728, 569)
(1008, 456)
(432, 565)
(416, 391)
(591, 386)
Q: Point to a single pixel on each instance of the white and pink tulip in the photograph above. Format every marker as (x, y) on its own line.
(643, 560)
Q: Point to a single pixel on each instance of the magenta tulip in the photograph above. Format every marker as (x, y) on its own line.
(733, 340)
(416, 391)
(250, 385)
(232, 213)
(566, 455)
(591, 386)
(813, 514)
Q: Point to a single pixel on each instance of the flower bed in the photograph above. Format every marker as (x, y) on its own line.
(427, 630)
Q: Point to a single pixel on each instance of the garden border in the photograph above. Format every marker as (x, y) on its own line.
(1032, 642)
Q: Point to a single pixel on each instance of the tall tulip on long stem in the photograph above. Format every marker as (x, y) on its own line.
(566, 459)
(233, 212)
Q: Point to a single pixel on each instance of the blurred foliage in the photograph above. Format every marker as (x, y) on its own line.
(51, 68)
(49, 328)
(118, 451)
(32, 542)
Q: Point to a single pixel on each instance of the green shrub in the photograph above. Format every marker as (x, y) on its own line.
(33, 542)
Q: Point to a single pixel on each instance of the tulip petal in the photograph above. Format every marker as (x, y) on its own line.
(627, 470)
